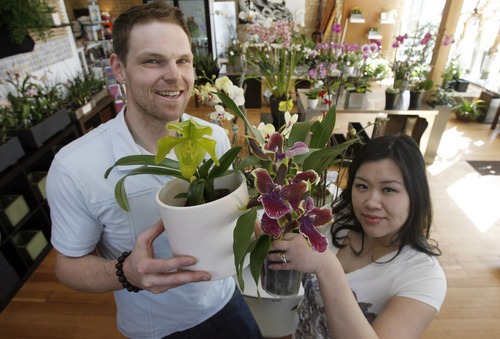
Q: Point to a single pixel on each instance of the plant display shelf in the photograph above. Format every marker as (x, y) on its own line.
(15, 267)
(103, 111)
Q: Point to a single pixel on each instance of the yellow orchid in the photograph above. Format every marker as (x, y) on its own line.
(286, 106)
(190, 147)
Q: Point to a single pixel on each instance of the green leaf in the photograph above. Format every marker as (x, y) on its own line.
(204, 168)
(299, 132)
(324, 158)
(225, 162)
(257, 257)
(249, 161)
(242, 235)
(324, 130)
(195, 192)
(121, 195)
(147, 160)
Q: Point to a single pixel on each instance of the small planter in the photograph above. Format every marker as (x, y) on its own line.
(10, 152)
(463, 117)
(30, 243)
(13, 208)
(35, 136)
(204, 231)
(356, 17)
(280, 282)
(416, 99)
(37, 180)
(391, 100)
(99, 96)
(461, 85)
(312, 103)
(81, 111)
(354, 100)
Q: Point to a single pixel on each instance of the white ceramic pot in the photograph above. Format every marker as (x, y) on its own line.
(204, 231)
(312, 103)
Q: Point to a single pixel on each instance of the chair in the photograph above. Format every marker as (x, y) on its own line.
(411, 125)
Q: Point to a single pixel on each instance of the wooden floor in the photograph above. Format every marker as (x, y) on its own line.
(467, 227)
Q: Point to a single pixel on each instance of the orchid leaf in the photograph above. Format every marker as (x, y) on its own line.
(257, 257)
(249, 161)
(195, 192)
(324, 158)
(324, 130)
(242, 235)
(148, 160)
(225, 162)
(229, 103)
(121, 194)
(204, 168)
(299, 132)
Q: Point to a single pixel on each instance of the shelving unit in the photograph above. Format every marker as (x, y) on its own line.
(103, 111)
(15, 266)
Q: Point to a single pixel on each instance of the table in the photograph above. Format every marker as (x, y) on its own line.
(373, 108)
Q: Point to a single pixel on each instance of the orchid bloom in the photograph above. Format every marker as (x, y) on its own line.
(310, 218)
(266, 130)
(221, 114)
(289, 121)
(190, 147)
(276, 200)
(286, 105)
(275, 145)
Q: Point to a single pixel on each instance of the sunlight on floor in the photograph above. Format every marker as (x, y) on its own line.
(451, 149)
(477, 196)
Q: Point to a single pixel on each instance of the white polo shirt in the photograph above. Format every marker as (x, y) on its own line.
(85, 216)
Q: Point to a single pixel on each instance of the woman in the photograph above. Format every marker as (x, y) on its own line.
(380, 277)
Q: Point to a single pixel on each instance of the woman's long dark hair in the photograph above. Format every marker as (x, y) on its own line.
(404, 151)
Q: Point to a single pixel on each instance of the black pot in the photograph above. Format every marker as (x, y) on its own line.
(461, 85)
(10, 48)
(10, 152)
(277, 115)
(391, 99)
(35, 136)
(416, 99)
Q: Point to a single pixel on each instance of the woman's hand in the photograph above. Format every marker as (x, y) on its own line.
(299, 255)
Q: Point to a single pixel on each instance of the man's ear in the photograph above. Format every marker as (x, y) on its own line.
(118, 68)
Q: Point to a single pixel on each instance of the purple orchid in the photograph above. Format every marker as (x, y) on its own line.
(310, 218)
(275, 145)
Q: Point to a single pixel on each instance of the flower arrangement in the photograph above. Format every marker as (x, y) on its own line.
(356, 10)
(82, 87)
(276, 50)
(288, 174)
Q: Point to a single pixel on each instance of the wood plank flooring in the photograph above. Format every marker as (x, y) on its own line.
(466, 225)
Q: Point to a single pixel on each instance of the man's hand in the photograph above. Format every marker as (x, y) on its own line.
(158, 275)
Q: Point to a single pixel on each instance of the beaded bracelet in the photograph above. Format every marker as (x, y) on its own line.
(121, 276)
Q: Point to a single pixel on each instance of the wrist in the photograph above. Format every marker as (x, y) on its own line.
(121, 275)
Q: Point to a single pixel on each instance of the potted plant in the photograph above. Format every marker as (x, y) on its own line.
(84, 91)
(356, 13)
(11, 149)
(283, 167)
(392, 95)
(468, 111)
(275, 51)
(37, 109)
(18, 19)
(206, 66)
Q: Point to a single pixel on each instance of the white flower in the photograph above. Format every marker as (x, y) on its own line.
(289, 121)
(237, 94)
(266, 130)
(220, 114)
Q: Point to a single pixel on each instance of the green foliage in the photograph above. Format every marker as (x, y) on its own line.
(469, 109)
(82, 87)
(22, 16)
(441, 97)
(205, 65)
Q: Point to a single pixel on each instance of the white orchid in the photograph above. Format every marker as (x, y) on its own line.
(289, 121)
(220, 114)
(266, 130)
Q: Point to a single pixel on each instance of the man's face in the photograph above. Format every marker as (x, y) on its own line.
(159, 74)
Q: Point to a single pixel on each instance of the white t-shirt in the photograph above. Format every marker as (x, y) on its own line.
(85, 216)
(411, 274)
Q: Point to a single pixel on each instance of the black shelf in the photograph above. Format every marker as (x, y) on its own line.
(16, 268)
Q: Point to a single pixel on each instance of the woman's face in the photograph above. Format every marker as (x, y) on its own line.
(379, 199)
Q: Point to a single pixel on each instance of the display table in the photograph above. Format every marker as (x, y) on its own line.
(372, 109)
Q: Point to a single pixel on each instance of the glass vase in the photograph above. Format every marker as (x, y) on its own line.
(279, 282)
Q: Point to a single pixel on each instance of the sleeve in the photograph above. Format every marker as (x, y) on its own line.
(425, 282)
(75, 231)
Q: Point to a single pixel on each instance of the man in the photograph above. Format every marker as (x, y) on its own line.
(153, 59)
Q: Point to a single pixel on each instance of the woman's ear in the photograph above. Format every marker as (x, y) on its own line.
(118, 68)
